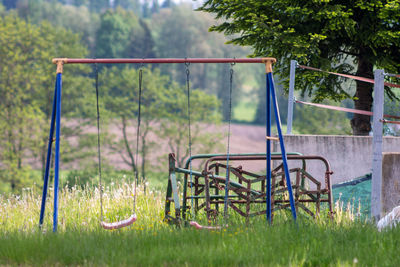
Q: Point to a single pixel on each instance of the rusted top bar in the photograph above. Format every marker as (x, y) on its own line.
(160, 60)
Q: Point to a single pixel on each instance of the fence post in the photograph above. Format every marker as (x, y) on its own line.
(377, 127)
(293, 64)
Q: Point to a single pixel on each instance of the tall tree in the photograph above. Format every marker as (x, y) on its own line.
(180, 32)
(321, 34)
(99, 5)
(167, 4)
(133, 5)
(9, 4)
(155, 7)
(163, 112)
(141, 43)
(113, 34)
(123, 34)
(26, 86)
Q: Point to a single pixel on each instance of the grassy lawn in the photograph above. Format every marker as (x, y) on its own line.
(151, 242)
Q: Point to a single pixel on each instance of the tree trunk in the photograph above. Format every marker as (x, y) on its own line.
(127, 146)
(361, 124)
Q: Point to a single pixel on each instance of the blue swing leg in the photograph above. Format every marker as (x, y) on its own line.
(271, 93)
(48, 159)
(54, 125)
(57, 152)
(268, 131)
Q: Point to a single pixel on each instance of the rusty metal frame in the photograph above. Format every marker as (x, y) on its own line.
(248, 188)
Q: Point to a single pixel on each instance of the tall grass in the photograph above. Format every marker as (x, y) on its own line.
(346, 241)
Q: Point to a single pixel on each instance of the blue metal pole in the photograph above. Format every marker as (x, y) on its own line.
(49, 148)
(284, 156)
(57, 152)
(268, 152)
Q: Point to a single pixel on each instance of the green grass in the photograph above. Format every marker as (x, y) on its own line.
(245, 111)
(151, 242)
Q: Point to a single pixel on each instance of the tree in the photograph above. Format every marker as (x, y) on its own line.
(141, 43)
(99, 5)
(78, 19)
(120, 97)
(9, 4)
(205, 136)
(26, 91)
(167, 4)
(133, 5)
(163, 112)
(155, 6)
(326, 122)
(321, 34)
(123, 34)
(113, 33)
(179, 32)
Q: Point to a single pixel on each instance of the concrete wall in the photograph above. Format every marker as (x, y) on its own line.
(349, 156)
(390, 182)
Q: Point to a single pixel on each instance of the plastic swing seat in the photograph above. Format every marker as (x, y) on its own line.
(201, 227)
(120, 224)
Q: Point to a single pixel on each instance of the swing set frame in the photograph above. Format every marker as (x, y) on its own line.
(55, 125)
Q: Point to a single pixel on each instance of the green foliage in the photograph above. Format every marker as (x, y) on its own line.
(77, 19)
(181, 32)
(163, 112)
(122, 34)
(26, 86)
(308, 120)
(113, 34)
(99, 5)
(128, 4)
(321, 34)
(174, 128)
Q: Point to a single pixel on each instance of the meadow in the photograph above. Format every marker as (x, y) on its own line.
(346, 241)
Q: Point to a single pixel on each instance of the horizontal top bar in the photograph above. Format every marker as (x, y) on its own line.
(160, 60)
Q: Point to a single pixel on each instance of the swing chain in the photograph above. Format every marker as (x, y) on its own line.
(187, 64)
(137, 137)
(231, 72)
(98, 140)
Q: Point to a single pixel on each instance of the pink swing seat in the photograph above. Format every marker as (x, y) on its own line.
(120, 224)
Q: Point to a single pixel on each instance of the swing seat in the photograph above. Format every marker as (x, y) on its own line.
(120, 224)
(199, 226)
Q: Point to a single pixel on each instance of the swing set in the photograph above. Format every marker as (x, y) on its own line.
(239, 189)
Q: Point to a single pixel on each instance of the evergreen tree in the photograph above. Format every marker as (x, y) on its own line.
(112, 37)
(167, 4)
(321, 34)
(10, 4)
(155, 7)
(141, 43)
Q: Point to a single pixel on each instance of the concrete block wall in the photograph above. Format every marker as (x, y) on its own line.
(390, 182)
(349, 156)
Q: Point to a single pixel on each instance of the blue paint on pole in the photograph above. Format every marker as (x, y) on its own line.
(57, 152)
(48, 159)
(282, 145)
(268, 153)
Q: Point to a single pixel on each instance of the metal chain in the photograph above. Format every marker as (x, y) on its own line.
(228, 145)
(98, 140)
(190, 138)
(137, 136)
